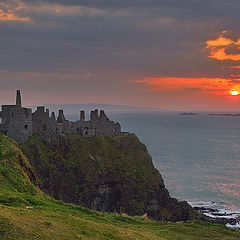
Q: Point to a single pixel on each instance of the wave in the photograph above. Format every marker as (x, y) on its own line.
(216, 210)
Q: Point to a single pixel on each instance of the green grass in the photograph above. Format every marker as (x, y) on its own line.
(27, 213)
(56, 220)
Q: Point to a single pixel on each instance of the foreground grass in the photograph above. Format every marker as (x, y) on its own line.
(50, 219)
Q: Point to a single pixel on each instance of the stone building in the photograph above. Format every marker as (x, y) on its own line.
(20, 123)
(16, 120)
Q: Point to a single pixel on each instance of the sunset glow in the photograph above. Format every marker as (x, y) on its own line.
(234, 92)
(217, 86)
(124, 53)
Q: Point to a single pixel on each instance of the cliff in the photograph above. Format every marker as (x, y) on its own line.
(105, 174)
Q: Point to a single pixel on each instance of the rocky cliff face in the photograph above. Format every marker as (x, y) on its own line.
(104, 173)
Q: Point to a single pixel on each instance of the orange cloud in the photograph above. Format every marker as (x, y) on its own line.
(166, 84)
(235, 67)
(11, 16)
(220, 54)
(9, 11)
(220, 41)
(217, 48)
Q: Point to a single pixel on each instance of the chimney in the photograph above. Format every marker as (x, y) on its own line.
(61, 118)
(18, 99)
(47, 112)
(53, 117)
(82, 116)
(94, 115)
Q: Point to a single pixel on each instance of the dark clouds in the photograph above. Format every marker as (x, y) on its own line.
(112, 41)
(115, 35)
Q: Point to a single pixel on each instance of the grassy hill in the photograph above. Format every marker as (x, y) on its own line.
(28, 213)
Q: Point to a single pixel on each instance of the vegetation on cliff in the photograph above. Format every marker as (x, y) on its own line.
(105, 174)
(27, 213)
(16, 174)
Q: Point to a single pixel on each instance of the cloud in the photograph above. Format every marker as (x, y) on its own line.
(220, 54)
(11, 11)
(235, 67)
(51, 82)
(178, 84)
(11, 16)
(218, 48)
(220, 41)
(52, 45)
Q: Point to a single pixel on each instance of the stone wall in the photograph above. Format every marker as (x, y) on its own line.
(43, 125)
(17, 123)
(20, 123)
(98, 125)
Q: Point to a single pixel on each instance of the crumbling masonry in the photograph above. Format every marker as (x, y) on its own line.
(20, 123)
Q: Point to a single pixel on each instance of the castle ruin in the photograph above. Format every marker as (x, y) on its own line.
(20, 123)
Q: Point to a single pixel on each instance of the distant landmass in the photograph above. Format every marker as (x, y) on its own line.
(75, 108)
(224, 114)
(188, 113)
(211, 114)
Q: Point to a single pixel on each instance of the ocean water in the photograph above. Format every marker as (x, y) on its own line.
(198, 156)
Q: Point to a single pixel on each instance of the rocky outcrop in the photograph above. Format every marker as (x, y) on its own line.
(104, 173)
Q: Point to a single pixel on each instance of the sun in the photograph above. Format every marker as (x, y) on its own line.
(234, 92)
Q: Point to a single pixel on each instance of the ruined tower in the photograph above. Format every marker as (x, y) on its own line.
(18, 99)
(16, 120)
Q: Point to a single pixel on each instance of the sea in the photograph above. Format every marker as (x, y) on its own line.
(198, 156)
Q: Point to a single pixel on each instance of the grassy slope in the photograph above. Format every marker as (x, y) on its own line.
(50, 219)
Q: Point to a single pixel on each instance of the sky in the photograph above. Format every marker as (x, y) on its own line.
(163, 54)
